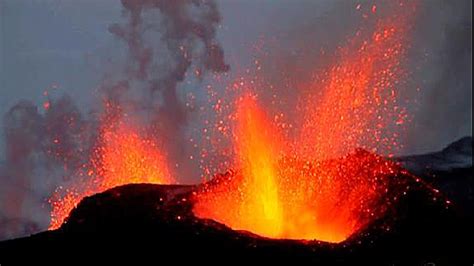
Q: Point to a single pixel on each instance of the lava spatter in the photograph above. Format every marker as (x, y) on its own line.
(319, 189)
(122, 155)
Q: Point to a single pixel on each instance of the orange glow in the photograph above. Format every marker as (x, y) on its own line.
(327, 183)
(125, 157)
(122, 156)
(62, 202)
(256, 147)
(280, 196)
(359, 104)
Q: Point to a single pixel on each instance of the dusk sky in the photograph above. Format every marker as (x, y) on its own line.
(65, 44)
(79, 47)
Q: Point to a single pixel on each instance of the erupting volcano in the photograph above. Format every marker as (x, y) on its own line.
(121, 156)
(313, 188)
(296, 157)
(278, 195)
(316, 186)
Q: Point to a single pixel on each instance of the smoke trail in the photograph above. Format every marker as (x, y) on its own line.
(169, 42)
(46, 149)
(187, 31)
(42, 150)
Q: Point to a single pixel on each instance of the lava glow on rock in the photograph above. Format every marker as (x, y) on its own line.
(297, 189)
(280, 196)
(121, 156)
(317, 185)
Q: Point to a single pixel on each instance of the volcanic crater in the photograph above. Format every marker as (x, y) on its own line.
(142, 220)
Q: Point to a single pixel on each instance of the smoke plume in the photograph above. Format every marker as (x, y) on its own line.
(169, 44)
(45, 148)
(186, 31)
(42, 151)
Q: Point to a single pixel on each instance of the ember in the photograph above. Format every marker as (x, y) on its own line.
(281, 196)
(219, 130)
(312, 187)
(122, 156)
(304, 192)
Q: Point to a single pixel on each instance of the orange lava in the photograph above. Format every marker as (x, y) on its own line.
(320, 185)
(358, 104)
(122, 156)
(257, 150)
(279, 196)
(125, 157)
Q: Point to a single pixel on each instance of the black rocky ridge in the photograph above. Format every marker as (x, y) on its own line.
(156, 223)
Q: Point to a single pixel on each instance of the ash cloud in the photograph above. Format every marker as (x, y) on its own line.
(438, 61)
(186, 34)
(44, 149)
(167, 42)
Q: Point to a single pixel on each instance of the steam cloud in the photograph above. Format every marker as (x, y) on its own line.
(170, 41)
(439, 62)
(41, 151)
(187, 30)
(164, 39)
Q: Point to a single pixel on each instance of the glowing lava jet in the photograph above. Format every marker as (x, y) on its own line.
(121, 156)
(322, 188)
(258, 190)
(281, 196)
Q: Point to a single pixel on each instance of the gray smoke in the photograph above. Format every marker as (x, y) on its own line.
(167, 43)
(44, 149)
(184, 33)
(438, 61)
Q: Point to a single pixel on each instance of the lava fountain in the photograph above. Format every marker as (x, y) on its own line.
(121, 156)
(256, 190)
(320, 186)
(278, 195)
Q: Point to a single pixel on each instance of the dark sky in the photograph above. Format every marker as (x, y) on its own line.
(64, 47)
(63, 43)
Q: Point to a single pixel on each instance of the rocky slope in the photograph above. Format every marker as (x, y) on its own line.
(155, 222)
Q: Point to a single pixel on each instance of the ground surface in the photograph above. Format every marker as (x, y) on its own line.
(155, 222)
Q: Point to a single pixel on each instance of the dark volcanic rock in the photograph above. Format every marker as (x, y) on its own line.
(457, 155)
(155, 222)
(449, 170)
(148, 221)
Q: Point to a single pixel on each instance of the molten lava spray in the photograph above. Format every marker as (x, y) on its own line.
(318, 189)
(257, 148)
(359, 102)
(125, 157)
(122, 156)
(280, 196)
